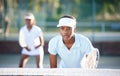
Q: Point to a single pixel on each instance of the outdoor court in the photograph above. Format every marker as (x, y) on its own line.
(108, 65)
(12, 61)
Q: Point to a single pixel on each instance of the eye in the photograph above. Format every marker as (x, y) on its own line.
(65, 28)
(28, 20)
(62, 28)
(68, 28)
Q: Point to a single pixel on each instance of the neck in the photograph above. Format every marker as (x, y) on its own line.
(70, 41)
(29, 27)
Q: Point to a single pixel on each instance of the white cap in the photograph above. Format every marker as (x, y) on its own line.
(67, 22)
(29, 16)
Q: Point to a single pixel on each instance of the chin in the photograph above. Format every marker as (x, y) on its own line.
(66, 39)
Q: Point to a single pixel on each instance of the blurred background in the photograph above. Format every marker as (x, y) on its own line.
(99, 20)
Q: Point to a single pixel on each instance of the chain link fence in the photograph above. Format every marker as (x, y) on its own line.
(47, 13)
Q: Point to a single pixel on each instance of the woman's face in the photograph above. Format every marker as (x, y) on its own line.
(66, 32)
(29, 22)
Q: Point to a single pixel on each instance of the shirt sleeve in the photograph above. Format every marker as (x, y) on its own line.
(22, 39)
(52, 46)
(87, 46)
(39, 34)
(37, 31)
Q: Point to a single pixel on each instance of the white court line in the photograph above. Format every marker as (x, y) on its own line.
(60, 71)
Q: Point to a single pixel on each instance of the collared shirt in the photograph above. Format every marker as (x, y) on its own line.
(30, 39)
(70, 58)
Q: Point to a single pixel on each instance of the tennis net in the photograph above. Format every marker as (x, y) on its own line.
(60, 71)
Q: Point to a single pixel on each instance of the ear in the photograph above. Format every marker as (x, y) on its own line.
(75, 29)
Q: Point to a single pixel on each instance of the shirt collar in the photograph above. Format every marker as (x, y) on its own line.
(76, 43)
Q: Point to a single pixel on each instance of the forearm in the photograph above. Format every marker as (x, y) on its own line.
(91, 58)
(42, 41)
(37, 46)
(27, 48)
(53, 61)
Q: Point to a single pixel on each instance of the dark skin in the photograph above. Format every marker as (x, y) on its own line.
(67, 34)
(68, 37)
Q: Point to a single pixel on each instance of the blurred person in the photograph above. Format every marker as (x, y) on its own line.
(4, 24)
(32, 42)
(74, 50)
(7, 26)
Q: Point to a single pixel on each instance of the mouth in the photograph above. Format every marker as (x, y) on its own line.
(66, 36)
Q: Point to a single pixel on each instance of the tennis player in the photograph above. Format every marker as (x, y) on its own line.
(32, 42)
(73, 49)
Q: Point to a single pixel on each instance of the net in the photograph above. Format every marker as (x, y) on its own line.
(60, 71)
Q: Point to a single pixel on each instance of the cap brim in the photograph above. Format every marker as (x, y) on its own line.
(66, 22)
(59, 25)
(28, 17)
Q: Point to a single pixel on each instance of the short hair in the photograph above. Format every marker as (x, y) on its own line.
(69, 16)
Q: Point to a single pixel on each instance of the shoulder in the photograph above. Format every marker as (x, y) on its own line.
(53, 44)
(36, 27)
(86, 44)
(23, 28)
(82, 38)
(55, 39)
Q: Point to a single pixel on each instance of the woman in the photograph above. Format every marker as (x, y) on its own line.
(71, 47)
(32, 42)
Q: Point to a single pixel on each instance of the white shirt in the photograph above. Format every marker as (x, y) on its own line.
(30, 39)
(70, 58)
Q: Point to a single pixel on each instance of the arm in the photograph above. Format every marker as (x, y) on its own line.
(52, 49)
(41, 39)
(22, 41)
(91, 59)
(53, 61)
(27, 48)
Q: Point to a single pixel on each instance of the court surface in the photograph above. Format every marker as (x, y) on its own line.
(12, 61)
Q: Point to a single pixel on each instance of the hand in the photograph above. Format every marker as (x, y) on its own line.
(27, 48)
(37, 46)
(91, 60)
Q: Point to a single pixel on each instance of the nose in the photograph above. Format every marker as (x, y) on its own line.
(65, 31)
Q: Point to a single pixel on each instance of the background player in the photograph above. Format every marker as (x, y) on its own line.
(32, 42)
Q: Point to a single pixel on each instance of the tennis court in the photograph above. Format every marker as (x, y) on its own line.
(12, 61)
(108, 66)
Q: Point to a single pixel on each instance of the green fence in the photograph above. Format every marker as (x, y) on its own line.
(91, 15)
